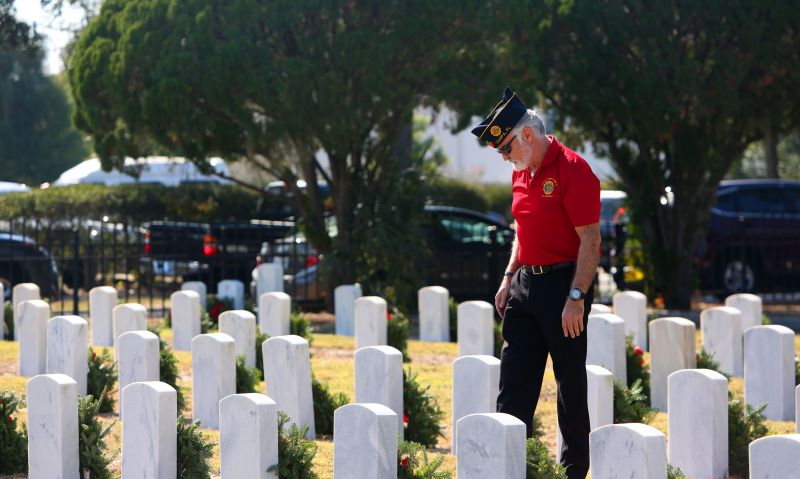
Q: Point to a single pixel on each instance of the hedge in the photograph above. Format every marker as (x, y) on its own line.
(133, 203)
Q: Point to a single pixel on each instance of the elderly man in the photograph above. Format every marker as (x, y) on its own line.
(546, 293)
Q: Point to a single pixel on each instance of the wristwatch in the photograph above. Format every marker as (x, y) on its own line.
(576, 294)
(508, 274)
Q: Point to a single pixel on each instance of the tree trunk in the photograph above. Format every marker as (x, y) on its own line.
(770, 142)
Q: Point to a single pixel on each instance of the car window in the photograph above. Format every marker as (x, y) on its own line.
(760, 200)
(726, 202)
(792, 199)
(466, 230)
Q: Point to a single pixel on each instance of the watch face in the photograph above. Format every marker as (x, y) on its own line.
(575, 294)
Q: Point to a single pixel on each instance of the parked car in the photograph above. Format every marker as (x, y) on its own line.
(207, 252)
(22, 260)
(151, 170)
(612, 217)
(753, 237)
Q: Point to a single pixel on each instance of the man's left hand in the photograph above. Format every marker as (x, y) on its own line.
(572, 318)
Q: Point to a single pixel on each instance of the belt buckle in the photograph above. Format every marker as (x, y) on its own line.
(537, 269)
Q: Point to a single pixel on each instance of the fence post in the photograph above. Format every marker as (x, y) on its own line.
(76, 246)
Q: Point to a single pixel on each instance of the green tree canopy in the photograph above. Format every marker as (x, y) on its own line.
(37, 140)
(670, 92)
(273, 83)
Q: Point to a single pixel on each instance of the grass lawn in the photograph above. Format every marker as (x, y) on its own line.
(332, 363)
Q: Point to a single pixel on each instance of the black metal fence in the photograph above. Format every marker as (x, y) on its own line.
(146, 263)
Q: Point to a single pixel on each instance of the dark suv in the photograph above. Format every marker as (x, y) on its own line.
(753, 237)
(22, 260)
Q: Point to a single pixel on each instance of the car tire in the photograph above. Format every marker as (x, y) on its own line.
(738, 275)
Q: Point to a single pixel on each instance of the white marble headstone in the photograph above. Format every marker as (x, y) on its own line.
(22, 292)
(476, 384)
(606, 344)
(102, 300)
(475, 328)
(379, 378)
(233, 289)
(138, 359)
(751, 307)
(248, 430)
(270, 278)
(345, 297)
(53, 427)
(797, 409)
(128, 317)
(241, 326)
(213, 376)
(149, 431)
(275, 313)
(67, 347)
(434, 314)
(698, 423)
(198, 287)
(672, 348)
(288, 378)
(631, 306)
(185, 317)
(769, 370)
(599, 398)
(775, 457)
(598, 308)
(366, 442)
(627, 450)
(490, 445)
(721, 328)
(371, 322)
(33, 317)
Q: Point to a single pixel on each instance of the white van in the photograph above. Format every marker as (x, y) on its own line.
(152, 170)
(10, 187)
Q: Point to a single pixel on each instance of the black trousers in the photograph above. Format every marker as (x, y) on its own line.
(532, 329)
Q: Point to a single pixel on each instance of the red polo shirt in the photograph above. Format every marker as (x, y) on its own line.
(562, 194)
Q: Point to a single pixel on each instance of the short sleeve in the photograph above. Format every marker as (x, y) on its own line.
(582, 196)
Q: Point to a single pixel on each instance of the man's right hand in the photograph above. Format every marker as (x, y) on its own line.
(501, 298)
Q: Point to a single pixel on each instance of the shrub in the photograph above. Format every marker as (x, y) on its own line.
(300, 325)
(194, 451)
(247, 377)
(260, 338)
(325, 403)
(295, 452)
(13, 441)
(539, 464)
(397, 332)
(452, 311)
(422, 416)
(413, 462)
(8, 320)
(91, 438)
(745, 425)
(675, 472)
(168, 367)
(705, 360)
(631, 404)
(101, 379)
(635, 368)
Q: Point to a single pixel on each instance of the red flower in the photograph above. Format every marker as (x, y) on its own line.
(697, 358)
(638, 351)
(641, 362)
(216, 309)
(388, 316)
(404, 463)
(10, 419)
(405, 419)
(94, 355)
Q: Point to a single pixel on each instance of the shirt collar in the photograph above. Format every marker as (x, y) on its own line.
(552, 151)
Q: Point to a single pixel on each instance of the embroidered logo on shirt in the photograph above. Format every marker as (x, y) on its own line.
(549, 186)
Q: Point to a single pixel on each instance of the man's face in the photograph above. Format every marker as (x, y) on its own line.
(520, 152)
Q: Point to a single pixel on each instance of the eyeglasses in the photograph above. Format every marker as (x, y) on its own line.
(506, 150)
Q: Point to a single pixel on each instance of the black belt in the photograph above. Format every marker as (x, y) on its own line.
(533, 269)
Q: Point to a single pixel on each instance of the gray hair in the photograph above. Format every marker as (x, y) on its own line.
(530, 120)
